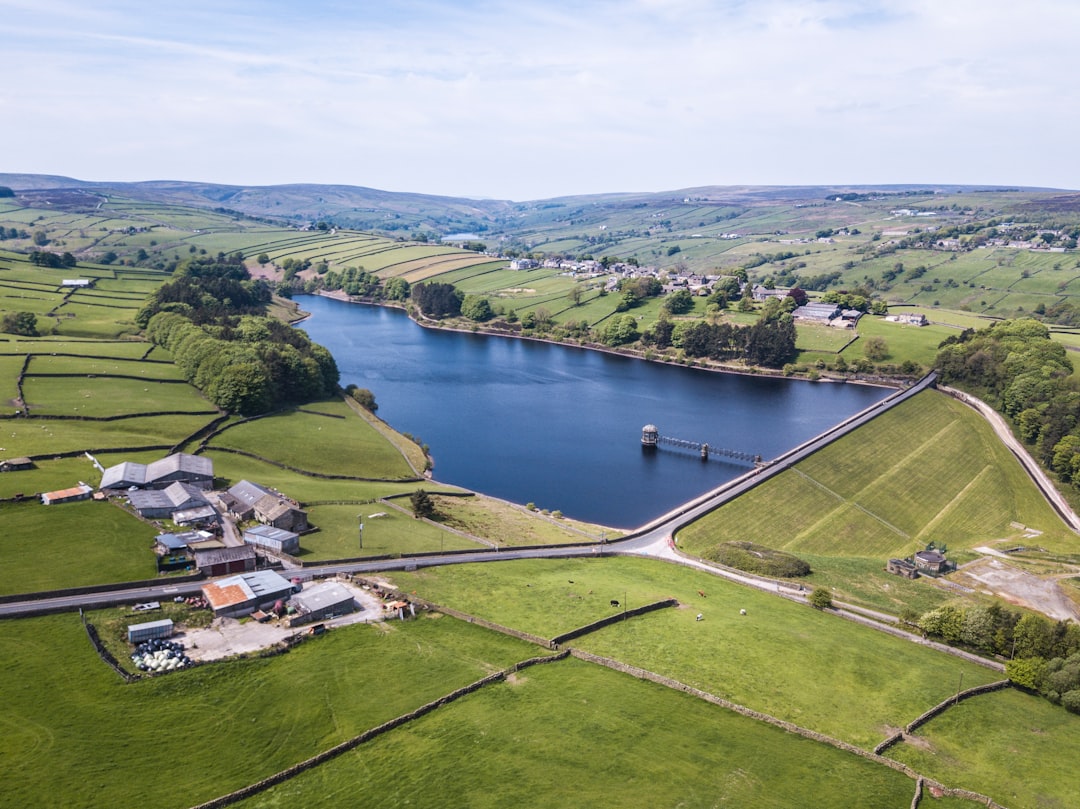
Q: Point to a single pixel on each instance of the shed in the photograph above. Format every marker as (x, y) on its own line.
(273, 539)
(223, 561)
(178, 467)
(80, 492)
(137, 633)
(161, 503)
(15, 464)
(322, 601)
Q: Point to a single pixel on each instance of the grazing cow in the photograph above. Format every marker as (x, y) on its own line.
(701, 593)
(614, 603)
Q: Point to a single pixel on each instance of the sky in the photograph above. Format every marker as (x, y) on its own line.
(531, 99)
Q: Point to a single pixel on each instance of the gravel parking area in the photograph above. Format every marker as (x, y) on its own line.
(227, 637)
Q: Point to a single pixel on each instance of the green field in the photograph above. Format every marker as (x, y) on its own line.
(395, 533)
(71, 545)
(831, 663)
(94, 366)
(325, 437)
(98, 396)
(44, 437)
(574, 734)
(1008, 745)
(76, 736)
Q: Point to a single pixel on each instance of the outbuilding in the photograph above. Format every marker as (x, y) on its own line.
(322, 601)
(225, 561)
(137, 633)
(273, 539)
(241, 595)
(80, 492)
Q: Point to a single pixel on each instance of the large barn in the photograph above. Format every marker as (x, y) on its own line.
(178, 467)
(241, 595)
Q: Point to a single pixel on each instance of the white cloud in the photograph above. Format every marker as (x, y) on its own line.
(535, 98)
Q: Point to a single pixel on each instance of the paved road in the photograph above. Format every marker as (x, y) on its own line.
(1050, 492)
(653, 539)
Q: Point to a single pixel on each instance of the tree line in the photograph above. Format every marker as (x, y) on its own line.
(211, 319)
(1020, 371)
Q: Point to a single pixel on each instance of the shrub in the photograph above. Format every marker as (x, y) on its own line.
(820, 599)
(758, 559)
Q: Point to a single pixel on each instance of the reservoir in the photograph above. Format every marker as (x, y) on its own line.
(560, 426)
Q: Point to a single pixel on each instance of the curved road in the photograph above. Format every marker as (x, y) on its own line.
(653, 539)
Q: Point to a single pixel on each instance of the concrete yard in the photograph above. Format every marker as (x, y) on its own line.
(227, 637)
(996, 576)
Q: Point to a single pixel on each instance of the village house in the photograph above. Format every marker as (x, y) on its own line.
(281, 512)
(909, 319)
(241, 498)
(761, 293)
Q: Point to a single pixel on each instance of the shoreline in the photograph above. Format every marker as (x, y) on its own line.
(754, 371)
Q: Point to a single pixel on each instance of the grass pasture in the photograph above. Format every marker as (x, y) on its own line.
(49, 476)
(76, 736)
(231, 468)
(121, 349)
(393, 534)
(110, 396)
(781, 658)
(44, 437)
(574, 734)
(1008, 745)
(508, 524)
(814, 337)
(325, 437)
(71, 545)
(43, 364)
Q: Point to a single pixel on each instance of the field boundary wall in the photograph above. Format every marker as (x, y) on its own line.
(644, 674)
(368, 735)
(558, 640)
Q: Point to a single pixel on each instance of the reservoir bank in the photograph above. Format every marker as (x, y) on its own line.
(560, 426)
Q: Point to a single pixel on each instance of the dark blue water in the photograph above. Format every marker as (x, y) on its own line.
(561, 427)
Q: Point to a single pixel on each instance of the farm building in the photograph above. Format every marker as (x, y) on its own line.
(223, 561)
(198, 515)
(240, 499)
(322, 601)
(242, 595)
(817, 312)
(161, 503)
(176, 543)
(273, 539)
(15, 464)
(137, 633)
(178, 467)
(80, 492)
(280, 512)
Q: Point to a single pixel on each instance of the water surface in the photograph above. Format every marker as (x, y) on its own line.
(561, 426)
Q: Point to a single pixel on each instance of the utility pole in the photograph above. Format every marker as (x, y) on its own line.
(360, 517)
